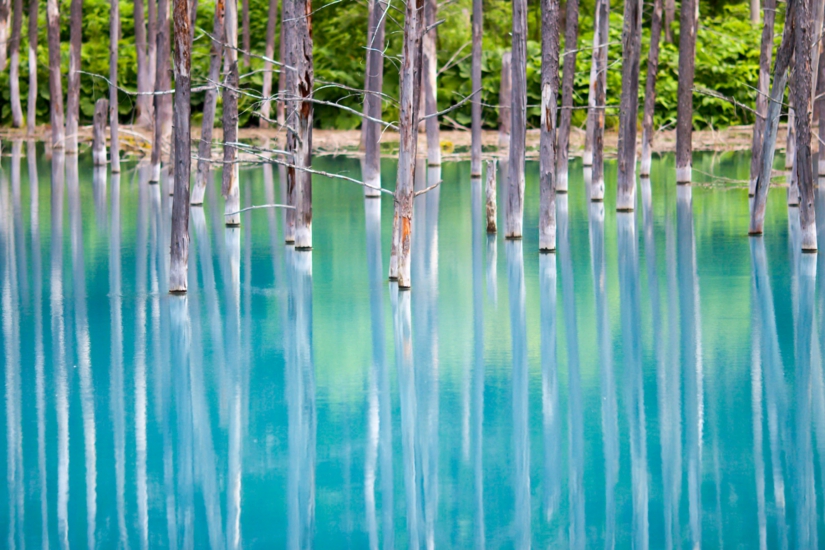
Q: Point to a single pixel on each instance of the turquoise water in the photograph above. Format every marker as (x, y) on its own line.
(655, 383)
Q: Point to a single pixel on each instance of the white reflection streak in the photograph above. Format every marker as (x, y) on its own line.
(232, 238)
(551, 416)
(180, 365)
(140, 356)
(477, 389)
(19, 230)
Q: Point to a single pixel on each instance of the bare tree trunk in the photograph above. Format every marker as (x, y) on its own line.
(152, 50)
(475, 145)
(31, 104)
(571, 47)
(231, 175)
(372, 99)
(755, 12)
(304, 84)
(549, 103)
(780, 79)
(290, 113)
(597, 107)
(790, 153)
(515, 194)
(821, 101)
(670, 16)
(163, 106)
(650, 87)
(246, 38)
(143, 102)
(280, 107)
(629, 105)
(684, 111)
(504, 99)
(14, 69)
(73, 84)
(362, 144)
(114, 37)
(179, 248)
(410, 81)
(272, 18)
(429, 84)
(5, 9)
(763, 86)
(209, 104)
(99, 132)
(490, 192)
(193, 18)
(55, 78)
(595, 76)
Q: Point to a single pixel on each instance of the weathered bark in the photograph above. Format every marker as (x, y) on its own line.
(193, 18)
(231, 174)
(5, 8)
(571, 46)
(597, 107)
(14, 69)
(817, 68)
(429, 85)
(670, 16)
(821, 101)
(410, 80)
(780, 79)
(303, 84)
(179, 248)
(547, 138)
(163, 102)
(629, 105)
(490, 192)
(790, 153)
(269, 53)
(151, 49)
(504, 99)
(31, 104)
(209, 104)
(73, 81)
(372, 98)
(99, 132)
(650, 86)
(597, 53)
(143, 102)
(280, 108)
(689, 17)
(290, 114)
(518, 126)
(55, 79)
(114, 37)
(763, 89)
(475, 75)
(246, 38)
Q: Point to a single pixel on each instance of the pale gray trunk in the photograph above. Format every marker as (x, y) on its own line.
(372, 99)
(571, 38)
(55, 77)
(490, 192)
(475, 145)
(689, 17)
(595, 59)
(549, 103)
(650, 87)
(518, 126)
(504, 100)
(597, 107)
(755, 12)
(99, 132)
(629, 105)
(246, 38)
(143, 102)
(429, 84)
(805, 41)
(280, 107)
(209, 105)
(790, 153)
(163, 103)
(5, 10)
(303, 84)
(114, 37)
(231, 173)
(151, 49)
(816, 59)
(290, 113)
(14, 69)
(764, 89)
(821, 102)
(73, 81)
(362, 143)
(670, 15)
(266, 92)
(31, 104)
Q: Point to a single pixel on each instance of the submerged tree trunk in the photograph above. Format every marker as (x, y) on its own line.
(571, 46)
(650, 87)
(490, 192)
(231, 173)
(269, 53)
(163, 102)
(114, 37)
(684, 110)
(99, 132)
(475, 145)
(597, 107)
(179, 248)
(303, 83)
(55, 78)
(143, 102)
(629, 105)
(549, 102)
(505, 99)
(73, 81)
(780, 79)
(518, 126)
(209, 105)
(429, 84)
(372, 99)
(247, 39)
(763, 89)
(31, 104)
(801, 86)
(14, 69)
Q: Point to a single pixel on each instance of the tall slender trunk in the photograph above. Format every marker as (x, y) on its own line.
(163, 102)
(269, 53)
(231, 174)
(821, 102)
(55, 78)
(14, 69)
(763, 86)
(596, 54)
(504, 99)
(372, 98)
(246, 38)
(290, 114)
(114, 37)
(549, 102)
(780, 79)
(429, 82)
(151, 50)
(755, 12)
(179, 248)
(650, 86)
(670, 16)
(475, 145)
(629, 105)
(99, 132)
(31, 104)
(684, 111)
(143, 102)
(571, 47)
(280, 107)
(518, 126)
(302, 92)
(597, 107)
(490, 194)
(5, 9)
(193, 18)
(73, 81)
(209, 104)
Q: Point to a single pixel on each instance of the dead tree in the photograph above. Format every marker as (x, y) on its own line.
(504, 99)
(179, 248)
(597, 108)
(269, 53)
(549, 102)
(650, 87)
(303, 85)
(689, 17)
(246, 37)
(571, 47)
(99, 132)
(372, 98)
(490, 192)
(14, 69)
(820, 93)
(55, 78)
(475, 145)
(280, 108)
(629, 105)
(143, 102)
(763, 86)
(518, 126)
(780, 79)
(5, 8)
(209, 105)
(599, 55)
(31, 104)
(670, 15)
(290, 114)
(152, 49)
(231, 175)
(755, 12)
(163, 105)
(73, 81)
(429, 84)
(114, 36)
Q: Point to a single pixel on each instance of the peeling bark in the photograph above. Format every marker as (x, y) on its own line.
(99, 132)
(73, 81)
(518, 114)
(597, 107)
(372, 98)
(55, 78)
(650, 87)
(163, 103)
(490, 192)
(801, 86)
(763, 86)
(629, 105)
(475, 145)
(231, 174)
(571, 46)
(684, 111)
(14, 69)
(31, 106)
(549, 101)
(114, 37)
(504, 100)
